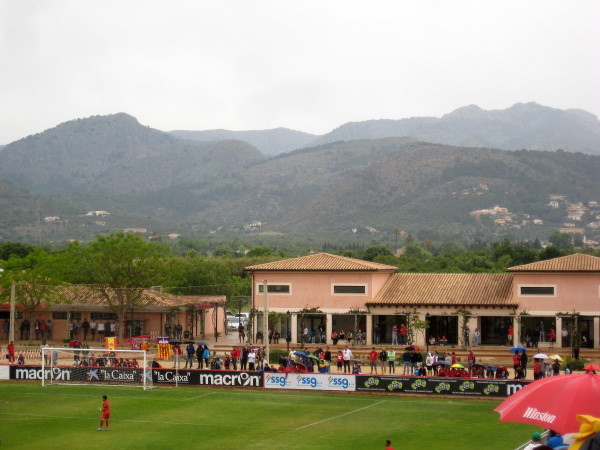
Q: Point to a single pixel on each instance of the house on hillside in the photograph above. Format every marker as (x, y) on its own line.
(333, 293)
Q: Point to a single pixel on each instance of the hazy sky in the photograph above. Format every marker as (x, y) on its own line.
(306, 65)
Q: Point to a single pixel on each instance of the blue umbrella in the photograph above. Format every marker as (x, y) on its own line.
(517, 348)
(490, 368)
(300, 353)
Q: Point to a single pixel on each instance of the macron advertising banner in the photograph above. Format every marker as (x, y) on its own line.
(90, 375)
(157, 376)
(482, 387)
(229, 378)
(312, 381)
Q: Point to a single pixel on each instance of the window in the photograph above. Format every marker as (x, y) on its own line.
(275, 288)
(350, 289)
(103, 316)
(537, 290)
(63, 316)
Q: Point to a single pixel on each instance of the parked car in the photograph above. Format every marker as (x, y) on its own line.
(233, 323)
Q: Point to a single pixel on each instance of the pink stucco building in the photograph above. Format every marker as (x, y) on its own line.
(322, 293)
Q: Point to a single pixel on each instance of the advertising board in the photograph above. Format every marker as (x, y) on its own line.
(159, 376)
(228, 378)
(482, 387)
(310, 381)
(78, 374)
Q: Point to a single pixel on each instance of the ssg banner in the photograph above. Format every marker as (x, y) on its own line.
(310, 381)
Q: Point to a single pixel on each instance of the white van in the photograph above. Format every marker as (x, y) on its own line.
(233, 323)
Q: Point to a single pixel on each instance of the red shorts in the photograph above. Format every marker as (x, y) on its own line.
(105, 415)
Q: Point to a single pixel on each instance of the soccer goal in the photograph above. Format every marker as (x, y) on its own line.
(96, 366)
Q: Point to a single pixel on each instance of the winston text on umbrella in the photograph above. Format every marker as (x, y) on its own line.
(533, 413)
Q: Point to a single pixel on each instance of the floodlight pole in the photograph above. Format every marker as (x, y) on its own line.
(266, 321)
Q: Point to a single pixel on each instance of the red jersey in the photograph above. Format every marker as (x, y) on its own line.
(373, 355)
(105, 411)
(177, 350)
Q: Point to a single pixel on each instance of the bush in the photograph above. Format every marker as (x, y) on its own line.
(576, 364)
(275, 354)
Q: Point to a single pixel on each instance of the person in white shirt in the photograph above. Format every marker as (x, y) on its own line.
(251, 359)
(347, 354)
(93, 329)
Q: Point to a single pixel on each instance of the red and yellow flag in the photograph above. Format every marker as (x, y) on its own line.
(110, 343)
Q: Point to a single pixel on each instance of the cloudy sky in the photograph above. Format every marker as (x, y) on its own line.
(306, 65)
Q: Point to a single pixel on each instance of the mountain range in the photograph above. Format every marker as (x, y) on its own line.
(361, 180)
(115, 154)
(523, 126)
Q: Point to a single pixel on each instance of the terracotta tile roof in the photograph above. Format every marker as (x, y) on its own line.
(577, 262)
(83, 297)
(447, 289)
(322, 262)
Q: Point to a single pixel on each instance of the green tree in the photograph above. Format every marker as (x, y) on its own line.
(260, 251)
(560, 240)
(549, 252)
(120, 266)
(376, 250)
(9, 249)
(33, 291)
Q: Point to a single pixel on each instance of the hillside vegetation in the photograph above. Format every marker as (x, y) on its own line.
(116, 154)
(155, 184)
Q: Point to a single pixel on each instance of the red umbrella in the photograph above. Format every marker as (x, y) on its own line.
(554, 402)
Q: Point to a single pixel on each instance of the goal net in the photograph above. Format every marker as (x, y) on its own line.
(96, 366)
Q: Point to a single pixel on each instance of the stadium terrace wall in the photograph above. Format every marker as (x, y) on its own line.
(472, 387)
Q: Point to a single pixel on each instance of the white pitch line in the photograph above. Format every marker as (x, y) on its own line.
(114, 421)
(341, 415)
(198, 396)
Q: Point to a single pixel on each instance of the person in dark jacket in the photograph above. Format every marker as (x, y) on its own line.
(189, 360)
(199, 356)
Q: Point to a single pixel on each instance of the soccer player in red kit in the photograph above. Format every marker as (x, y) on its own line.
(105, 412)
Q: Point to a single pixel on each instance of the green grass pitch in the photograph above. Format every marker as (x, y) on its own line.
(64, 417)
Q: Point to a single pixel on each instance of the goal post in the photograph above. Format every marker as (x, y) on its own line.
(96, 366)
